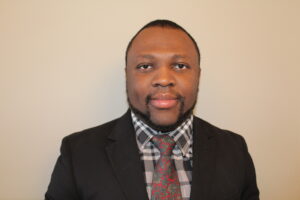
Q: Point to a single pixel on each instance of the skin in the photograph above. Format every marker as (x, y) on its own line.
(162, 76)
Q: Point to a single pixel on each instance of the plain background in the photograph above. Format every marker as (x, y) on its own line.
(62, 70)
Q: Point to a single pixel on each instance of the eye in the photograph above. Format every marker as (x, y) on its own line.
(180, 66)
(144, 67)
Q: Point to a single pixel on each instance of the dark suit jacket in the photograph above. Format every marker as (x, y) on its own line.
(103, 163)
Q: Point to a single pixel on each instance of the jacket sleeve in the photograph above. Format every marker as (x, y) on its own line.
(250, 191)
(62, 184)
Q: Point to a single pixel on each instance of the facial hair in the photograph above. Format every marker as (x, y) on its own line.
(146, 117)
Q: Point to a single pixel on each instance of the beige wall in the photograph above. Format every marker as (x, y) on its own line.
(61, 71)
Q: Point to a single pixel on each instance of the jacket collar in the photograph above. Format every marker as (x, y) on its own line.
(203, 159)
(124, 157)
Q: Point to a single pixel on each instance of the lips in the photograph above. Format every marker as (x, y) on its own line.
(163, 101)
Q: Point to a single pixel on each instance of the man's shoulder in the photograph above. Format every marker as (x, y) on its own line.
(221, 136)
(97, 134)
(213, 129)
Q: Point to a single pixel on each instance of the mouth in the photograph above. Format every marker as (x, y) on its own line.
(163, 101)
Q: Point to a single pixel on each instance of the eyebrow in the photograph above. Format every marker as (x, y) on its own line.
(176, 56)
(146, 56)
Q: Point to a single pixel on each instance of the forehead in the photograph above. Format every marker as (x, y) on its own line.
(162, 39)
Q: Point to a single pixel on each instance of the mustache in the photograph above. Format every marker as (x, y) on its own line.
(149, 97)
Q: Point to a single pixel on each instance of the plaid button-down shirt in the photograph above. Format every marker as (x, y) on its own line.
(182, 152)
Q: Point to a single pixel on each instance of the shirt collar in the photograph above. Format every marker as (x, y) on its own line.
(182, 135)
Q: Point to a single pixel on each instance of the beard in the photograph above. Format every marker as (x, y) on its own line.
(146, 116)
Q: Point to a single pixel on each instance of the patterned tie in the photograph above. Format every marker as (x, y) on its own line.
(165, 184)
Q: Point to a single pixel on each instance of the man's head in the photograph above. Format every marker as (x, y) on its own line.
(162, 74)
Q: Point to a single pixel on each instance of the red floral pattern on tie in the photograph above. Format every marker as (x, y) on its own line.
(165, 184)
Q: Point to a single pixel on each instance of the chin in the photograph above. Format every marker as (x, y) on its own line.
(162, 125)
(164, 118)
(164, 122)
(169, 123)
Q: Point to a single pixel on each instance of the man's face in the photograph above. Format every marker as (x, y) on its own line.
(162, 75)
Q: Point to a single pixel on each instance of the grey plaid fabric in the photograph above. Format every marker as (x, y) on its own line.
(182, 152)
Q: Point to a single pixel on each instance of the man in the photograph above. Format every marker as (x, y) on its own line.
(158, 149)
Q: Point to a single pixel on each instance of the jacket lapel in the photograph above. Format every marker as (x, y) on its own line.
(203, 160)
(123, 153)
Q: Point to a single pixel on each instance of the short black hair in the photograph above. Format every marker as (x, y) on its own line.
(163, 23)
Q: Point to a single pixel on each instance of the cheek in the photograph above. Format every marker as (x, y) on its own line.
(190, 90)
(136, 91)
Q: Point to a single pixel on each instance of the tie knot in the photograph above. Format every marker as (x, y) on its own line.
(164, 143)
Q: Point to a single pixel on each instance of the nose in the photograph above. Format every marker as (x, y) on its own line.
(163, 77)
